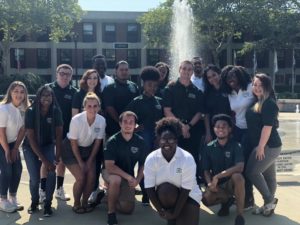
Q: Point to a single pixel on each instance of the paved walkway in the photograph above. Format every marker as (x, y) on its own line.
(287, 211)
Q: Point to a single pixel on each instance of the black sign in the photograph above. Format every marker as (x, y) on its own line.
(121, 45)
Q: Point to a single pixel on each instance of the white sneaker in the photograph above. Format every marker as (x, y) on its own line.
(93, 196)
(42, 195)
(6, 206)
(61, 194)
(16, 204)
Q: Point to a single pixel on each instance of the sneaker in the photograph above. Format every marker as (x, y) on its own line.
(224, 210)
(33, 208)
(6, 206)
(16, 204)
(145, 201)
(249, 204)
(42, 195)
(270, 207)
(48, 211)
(239, 220)
(112, 219)
(98, 199)
(61, 194)
(93, 196)
(258, 210)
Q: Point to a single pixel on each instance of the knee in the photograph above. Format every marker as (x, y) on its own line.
(167, 194)
(126, 207)
(114, 180)
(207, 199)
(80, 178)
(238, 179)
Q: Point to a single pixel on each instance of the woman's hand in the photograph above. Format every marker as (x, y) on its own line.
(260, 153)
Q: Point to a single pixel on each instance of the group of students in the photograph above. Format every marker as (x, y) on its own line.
(214, 127)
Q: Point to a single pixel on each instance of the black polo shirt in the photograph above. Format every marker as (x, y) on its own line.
(148, 110)
(126, 153)
(184, 102)
(77, 102)
(217, 158)
(267, 117)
(216, 102)
(118, 95)
(47, 124)
(64, 97)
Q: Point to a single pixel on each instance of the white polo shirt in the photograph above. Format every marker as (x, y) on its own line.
(239, 103)
(106, 80)
(198, 82)
(12, 120)
(85, 134)
(180, 171)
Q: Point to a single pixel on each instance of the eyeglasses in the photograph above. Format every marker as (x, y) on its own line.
(64, 74)
(169, 140)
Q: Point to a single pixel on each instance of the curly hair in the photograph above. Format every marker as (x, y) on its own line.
(150, 73)
(169, 124)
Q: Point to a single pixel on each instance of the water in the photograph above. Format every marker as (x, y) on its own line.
(182, 38)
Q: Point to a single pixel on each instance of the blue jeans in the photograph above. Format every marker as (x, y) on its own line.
(34, 166)
(10, 174)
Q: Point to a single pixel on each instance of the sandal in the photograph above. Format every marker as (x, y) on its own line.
(88, 208)
(78, 209)
(270, 207)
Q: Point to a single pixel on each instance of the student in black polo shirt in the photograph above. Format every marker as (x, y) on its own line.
(117, 96)
(263, 138)
(184, 101)
(44, 128)
(123, 150)
(223, 164)
(148, 109)
(215, 100)
(64, 93)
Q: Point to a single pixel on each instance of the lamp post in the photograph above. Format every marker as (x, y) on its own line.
(75, 38)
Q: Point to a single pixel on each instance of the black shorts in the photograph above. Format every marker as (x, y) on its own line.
(68, 156)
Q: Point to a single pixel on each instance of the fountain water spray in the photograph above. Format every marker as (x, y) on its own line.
(182, 40)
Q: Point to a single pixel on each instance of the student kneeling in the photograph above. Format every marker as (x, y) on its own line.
(223, 166)
(170, 177)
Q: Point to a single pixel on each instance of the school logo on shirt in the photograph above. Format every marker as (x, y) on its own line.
(178, 170)
(132, 89)
(158, 107)
(134, 149)
(227, 154)
(191, 95)
(97, 129)
(49, 120)
(69, 97)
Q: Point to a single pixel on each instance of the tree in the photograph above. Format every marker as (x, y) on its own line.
(24, 17)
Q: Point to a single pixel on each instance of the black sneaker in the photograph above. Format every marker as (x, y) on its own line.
(224, 210)
(48, 211)
(33, 208)
(99, 197)
(145, 201)
(239, 220)
(249, 204)
(112, 219)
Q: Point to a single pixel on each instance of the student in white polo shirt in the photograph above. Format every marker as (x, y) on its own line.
(87, 130)
(170, 177)
(12, 132)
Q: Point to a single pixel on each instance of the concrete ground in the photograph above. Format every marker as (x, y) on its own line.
(286, 213)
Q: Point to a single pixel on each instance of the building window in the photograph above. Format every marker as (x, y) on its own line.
(223, 58)
(281, 58)
(17, 58)
(297, 58)
(262, 59)
(64, 56)
(110, 56)
(133, 33)
(153, 56)
(109, 32)
(43, 58)
(87, 55)
(280, 79)
(88, 32)
(133, 58)
(297, 79)
(237, 58)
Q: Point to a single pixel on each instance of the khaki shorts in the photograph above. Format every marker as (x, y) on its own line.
(127, 194)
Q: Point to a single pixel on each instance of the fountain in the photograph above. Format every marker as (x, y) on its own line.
(182, 40)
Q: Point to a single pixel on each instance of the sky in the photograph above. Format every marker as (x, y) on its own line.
(119, 5)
